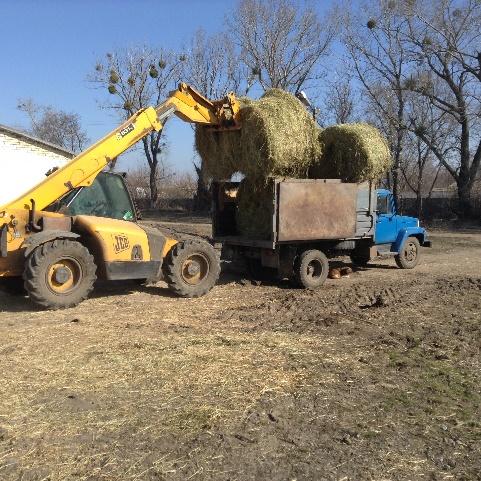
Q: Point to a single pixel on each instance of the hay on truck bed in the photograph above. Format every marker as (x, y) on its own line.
(278, 138)
(351, 152)
(255, 208)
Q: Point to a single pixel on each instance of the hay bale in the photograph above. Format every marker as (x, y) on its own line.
(278, 138)
(254, 208)
(219, 151)
(353, 153)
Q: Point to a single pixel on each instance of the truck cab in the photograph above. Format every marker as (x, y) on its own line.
(392, 229)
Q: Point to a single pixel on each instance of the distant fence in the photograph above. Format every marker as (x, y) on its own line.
(441, 208)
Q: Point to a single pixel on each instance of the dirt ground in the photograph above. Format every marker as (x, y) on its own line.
(374, 377)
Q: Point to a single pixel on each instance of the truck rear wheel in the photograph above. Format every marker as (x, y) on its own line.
(311, 269)
(59, 274)
(410, 254)
(191, 268)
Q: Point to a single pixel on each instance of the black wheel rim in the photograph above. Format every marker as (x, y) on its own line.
(410, 252)
(314, 269)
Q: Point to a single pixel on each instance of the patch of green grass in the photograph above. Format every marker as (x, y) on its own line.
(433, 387)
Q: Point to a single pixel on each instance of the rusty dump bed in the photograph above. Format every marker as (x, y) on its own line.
(304, 210)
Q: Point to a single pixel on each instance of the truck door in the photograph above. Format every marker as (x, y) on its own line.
(386, 228)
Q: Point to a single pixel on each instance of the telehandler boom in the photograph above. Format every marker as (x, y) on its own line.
(79, 223)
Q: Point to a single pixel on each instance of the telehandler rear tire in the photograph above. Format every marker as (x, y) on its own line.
(191, 268)
(59, 274)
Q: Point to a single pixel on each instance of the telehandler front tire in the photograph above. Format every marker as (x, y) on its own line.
(191, 268)
(59, 274)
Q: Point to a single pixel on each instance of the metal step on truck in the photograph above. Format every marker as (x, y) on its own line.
(314, 221)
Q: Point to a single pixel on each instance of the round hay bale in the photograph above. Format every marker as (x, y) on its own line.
(353, 153)
(254, 209)
(278, 137)
(219, 151)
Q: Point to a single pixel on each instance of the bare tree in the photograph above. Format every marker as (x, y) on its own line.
(212, 65)
(54, 126)
(419, 166)
(340, 101)
(444, 40)
(135, 79)
(281, 42)
(213, 68)
(374, 39)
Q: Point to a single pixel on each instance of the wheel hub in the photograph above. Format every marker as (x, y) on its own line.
(195, 269)
(62, 274)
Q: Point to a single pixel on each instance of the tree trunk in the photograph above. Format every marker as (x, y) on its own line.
(464, 197)
(154, 194)
(203, 196)
(419, 192)
(419, 205)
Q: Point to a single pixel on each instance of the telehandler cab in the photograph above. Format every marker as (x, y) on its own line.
(80, 224)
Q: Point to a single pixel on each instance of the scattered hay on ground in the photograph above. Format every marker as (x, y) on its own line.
(353, 153)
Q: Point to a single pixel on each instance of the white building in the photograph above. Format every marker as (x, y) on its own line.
(24, 161)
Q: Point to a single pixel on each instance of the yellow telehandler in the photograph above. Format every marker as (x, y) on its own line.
(79, 224)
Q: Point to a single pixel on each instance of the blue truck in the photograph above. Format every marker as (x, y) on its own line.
(312, 222)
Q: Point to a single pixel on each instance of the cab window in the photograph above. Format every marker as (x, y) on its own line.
(106, 197)
(383, 204)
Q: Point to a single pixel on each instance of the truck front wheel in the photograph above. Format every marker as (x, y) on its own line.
(191, 268)
(59, 274)
(311, 269)
(410, 254)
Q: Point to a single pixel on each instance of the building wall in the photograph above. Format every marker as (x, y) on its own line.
(23, 165)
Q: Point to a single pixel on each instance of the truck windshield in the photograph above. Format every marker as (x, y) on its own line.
(106, 197)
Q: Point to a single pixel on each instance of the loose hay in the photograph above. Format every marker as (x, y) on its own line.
(353, 153)
(254, 209)
(219, 151)
(278, 138)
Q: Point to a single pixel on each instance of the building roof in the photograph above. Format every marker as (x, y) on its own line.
(34, 140)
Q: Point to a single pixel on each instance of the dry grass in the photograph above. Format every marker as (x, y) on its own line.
(219, 151)
(353, 153)
(254, 209)
(92, 397)
(278, 138)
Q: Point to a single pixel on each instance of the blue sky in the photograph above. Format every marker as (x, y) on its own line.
(49, 47)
